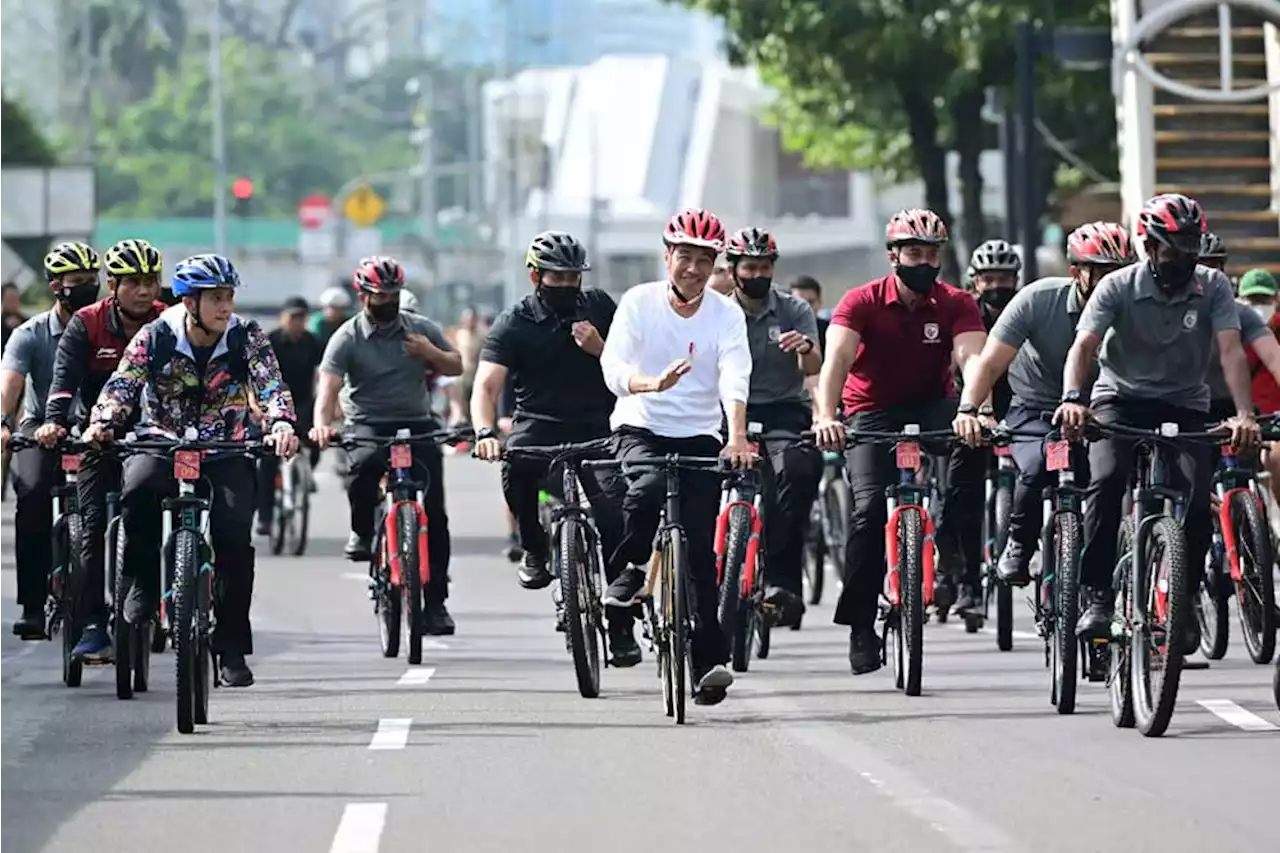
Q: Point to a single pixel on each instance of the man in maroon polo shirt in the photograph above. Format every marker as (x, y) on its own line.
(889, 354)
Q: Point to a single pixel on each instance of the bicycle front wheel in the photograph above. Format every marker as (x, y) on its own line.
(406, 521)
(1161, 602)
(1066, 605)
(186, 553)
(1004, 593)
(911, 541)
(579, 612)
(677, 592)
(815, 556)
(71, 621)
(1256, 591)
(734, 610)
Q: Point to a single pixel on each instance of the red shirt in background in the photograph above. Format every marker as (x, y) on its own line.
(1266, 394)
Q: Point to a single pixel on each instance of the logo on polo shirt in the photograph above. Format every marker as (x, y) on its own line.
(1189, 319)
(775, 332)
(930, 333)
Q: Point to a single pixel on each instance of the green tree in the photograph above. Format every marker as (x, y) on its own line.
(24, 145)
(156, 154)
(890, 85)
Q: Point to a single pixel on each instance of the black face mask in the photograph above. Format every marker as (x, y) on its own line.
(996, 298)
(919, 279)
(756, 287)
(80, 296)
(384, 313)
(560, 301)
(1174, 275)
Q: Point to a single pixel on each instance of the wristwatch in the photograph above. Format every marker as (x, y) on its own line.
(967, 409)
(1073, 396)
(987, 410)
(809, 345)
(486, 432)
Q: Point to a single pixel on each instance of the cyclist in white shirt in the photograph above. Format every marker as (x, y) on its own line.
(676, 352)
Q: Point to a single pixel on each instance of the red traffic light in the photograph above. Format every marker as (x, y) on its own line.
(242, 188)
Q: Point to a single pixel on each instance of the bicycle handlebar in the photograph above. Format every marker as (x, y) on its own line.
(171, 446)
(718, 464)
(440, 436)
(65, 445)
(857, 436)
(558, 453)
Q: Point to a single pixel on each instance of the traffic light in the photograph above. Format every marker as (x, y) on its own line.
(242, 189)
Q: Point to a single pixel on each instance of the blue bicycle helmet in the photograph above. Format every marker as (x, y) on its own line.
(203, 272)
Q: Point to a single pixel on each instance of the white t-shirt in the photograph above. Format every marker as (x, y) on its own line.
(647, 335)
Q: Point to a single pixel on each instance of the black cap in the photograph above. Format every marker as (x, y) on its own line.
(294, 304)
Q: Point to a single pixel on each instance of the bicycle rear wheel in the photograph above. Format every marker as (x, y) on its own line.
(1156, 643)
(185, 647)
(733, 611)
(911, 538)
(386, 598)
(575, 593)
(1066, 605)
(280, 527)
(410, 581)
(301, 522)
(677, 591)
(815, 557)
(1256, 592)
(1208, 601)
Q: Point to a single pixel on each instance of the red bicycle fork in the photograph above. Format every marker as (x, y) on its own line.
(893, 557)
(748, 580)
(393, 543)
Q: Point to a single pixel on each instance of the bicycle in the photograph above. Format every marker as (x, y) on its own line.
(740, 563)
(1001, 478)
(1240, 558)
(61, 609)
(575, 560)
(187, 568)
(1152, 588)
(667, 622)
(828, 524)
(909, 547)
(293, 487)
(400, 568)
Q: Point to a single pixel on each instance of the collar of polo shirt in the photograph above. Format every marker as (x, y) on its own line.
(1148, 289)
(368, 328)
(891, 293)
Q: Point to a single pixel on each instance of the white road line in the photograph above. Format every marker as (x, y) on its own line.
(416, 676)
(1227, 710)
(360, 829)
(392, 733)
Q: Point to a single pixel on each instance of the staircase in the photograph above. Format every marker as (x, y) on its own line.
(1218, 154)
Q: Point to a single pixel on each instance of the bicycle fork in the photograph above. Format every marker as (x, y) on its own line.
(751, 561)
(893, 558)
(395, 561)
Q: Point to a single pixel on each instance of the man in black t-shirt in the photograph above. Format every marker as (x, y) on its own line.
(298, 352)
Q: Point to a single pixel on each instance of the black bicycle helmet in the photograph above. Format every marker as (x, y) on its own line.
(1212, 247)
(556, 251)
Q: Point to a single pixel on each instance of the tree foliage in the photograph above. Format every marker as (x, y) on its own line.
(892, 85)
(23, 144)
(156, 154)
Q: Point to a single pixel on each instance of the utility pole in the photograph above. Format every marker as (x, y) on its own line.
(219, 130)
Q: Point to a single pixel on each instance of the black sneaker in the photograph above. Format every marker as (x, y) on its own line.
(712, 686)
(864, 652)
(359, 548)
(623, 645)
(513, 552)
(30, 625)
(1014, 567)
(436, 620)
(970, 599)
(533, 574)
(1096, 621)
(626, 587)
(235, 672)
(784, 606)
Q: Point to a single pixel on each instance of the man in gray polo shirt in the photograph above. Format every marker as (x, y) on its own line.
(1031, 340)
(783, 335)
(25, 374)
(1160, 319)
(380, 358)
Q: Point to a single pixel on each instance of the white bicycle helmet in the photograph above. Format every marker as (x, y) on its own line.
(408, 302)
(335, 297)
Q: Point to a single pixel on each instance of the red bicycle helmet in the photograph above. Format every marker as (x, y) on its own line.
(915, 225)
(1101, 243)
(751, 243)
(1174, 220)
(378, 274)
(694, 227)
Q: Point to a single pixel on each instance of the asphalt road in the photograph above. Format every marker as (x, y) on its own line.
(488, 747)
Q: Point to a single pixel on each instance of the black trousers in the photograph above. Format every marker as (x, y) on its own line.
(699, 499)
(790, 480)
(1111, 466)
(1027, 518)
(147, 481)
(523, 478)
(365, 467)
(99, 474)
(35, 472)
(871, 469)
(268, 468)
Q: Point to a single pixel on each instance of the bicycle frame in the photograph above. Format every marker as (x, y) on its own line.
(910, 494)
(1229, 479)
(402, 489)
(741, 489)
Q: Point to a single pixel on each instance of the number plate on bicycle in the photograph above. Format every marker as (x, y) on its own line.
(186, 464)
(1057, 455)
(1002, 450)
(908, 455)
(71, 462)
(401, 456)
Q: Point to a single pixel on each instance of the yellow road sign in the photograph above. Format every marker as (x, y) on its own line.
(364, 206)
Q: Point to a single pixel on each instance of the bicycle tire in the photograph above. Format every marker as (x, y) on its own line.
(185, 557)
(1209, 606)
(280, 518)
(1066, 605)
(731, 613)
(837, 511)
(815, 555)
(584, 635)
(762, 629)
(1004, 592)
(1153, 706)
(1120, 664)
(388, 604)
(677, 591)
(142, 657)
(69, 593)
(205, 674)
(302, 510)
(125, 636)
(911, 569)
(410, 581)
(1275, 683)
(1256, 592)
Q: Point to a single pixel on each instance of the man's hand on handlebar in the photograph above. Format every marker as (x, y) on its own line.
(97, 435)
(1245, 432)
(49, 435)
(830, 435)
(968, 428)
(285, 441)
(1072, 417)
(740, 452)
(323, 436)
(489, 449)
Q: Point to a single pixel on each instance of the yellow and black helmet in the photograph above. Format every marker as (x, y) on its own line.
(133, 257)
(69, 257)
